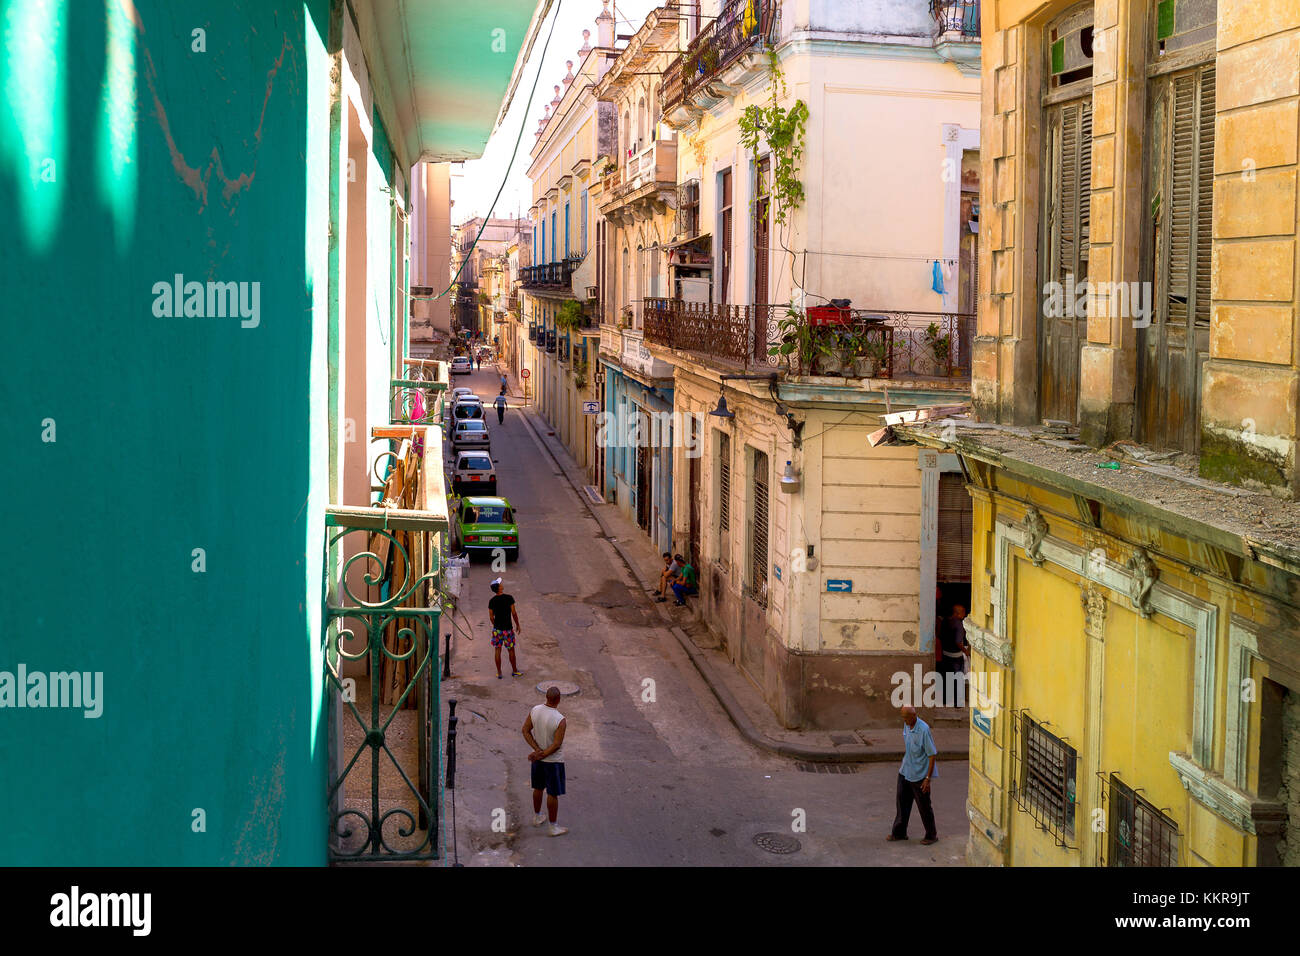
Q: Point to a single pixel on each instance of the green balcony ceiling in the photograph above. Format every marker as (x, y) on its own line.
(449, 64)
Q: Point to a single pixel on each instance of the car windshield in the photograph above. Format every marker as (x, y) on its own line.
(476, 463)
(488, 514)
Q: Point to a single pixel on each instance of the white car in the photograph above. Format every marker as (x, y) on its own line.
(474, 474)
(460, 365)
(461, 392)
(470, 433)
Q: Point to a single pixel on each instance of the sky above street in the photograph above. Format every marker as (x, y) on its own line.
(475, 183)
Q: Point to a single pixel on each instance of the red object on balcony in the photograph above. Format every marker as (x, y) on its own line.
(828, 315)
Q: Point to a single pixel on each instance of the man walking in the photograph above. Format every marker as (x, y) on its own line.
(914, 776)
(544, 731)
(505, 623)
(500, 404)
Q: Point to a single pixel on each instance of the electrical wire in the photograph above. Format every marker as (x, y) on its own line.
(513, 154)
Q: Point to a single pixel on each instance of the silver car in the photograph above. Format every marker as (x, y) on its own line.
(467, 409)
(470, 433)
(460, 365)
(474, 474)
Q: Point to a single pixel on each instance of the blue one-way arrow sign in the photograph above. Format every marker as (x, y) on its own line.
(838, 584)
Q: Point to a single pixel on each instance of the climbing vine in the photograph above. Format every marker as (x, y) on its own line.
(782, 131)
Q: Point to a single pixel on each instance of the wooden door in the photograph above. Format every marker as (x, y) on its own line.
(694, 492)
(724, 238)
(1173, 349)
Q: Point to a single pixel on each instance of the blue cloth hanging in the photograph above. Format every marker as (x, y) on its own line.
(937, 282)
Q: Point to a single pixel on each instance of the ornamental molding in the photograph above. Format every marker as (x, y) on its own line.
(988, 645)
(1035, 532)
(1213, 792)
(1096, 570)
(1144, 578)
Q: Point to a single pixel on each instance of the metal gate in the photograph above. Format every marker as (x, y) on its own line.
(399, 629)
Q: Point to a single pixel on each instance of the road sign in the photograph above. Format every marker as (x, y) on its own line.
(590, 408)
(525, 373)
(838, 585)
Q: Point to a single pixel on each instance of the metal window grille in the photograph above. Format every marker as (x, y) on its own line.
(724, 482)
(1137, 833)
(1045, 778)
(758, 532)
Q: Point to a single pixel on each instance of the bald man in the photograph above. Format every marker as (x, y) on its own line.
(544, 731)
(919, 753)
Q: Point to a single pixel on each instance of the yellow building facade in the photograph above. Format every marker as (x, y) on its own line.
(1136, 566)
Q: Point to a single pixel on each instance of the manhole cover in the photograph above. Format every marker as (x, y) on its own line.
(778, 843)
(577, 623)
(567, 688)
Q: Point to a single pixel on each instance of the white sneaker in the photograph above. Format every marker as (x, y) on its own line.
(557, 830)
(539, 819)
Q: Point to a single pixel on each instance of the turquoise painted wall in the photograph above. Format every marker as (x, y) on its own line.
(171, 433)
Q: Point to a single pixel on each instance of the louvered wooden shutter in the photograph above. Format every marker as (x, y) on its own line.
(1072, 200)
(955, 529)
(1191, 197)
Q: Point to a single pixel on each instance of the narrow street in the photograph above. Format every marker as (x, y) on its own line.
(656, 773)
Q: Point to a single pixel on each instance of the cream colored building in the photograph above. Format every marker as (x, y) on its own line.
(573, 133)
(635, 191)
(430, 252)
(823, 593)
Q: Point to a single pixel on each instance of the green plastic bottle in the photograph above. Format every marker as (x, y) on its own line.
(1112, 465)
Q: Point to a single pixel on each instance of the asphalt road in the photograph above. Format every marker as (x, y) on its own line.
(656, 773)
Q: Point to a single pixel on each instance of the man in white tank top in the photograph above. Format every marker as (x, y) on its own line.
(544, 731)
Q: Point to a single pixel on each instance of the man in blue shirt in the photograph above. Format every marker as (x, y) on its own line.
(914, 775)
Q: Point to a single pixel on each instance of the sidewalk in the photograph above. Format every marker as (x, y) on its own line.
(742, 701)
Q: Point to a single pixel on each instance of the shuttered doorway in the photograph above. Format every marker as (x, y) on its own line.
(955, 530)
(1173, 349)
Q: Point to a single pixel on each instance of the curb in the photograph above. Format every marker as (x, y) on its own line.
(732, 707)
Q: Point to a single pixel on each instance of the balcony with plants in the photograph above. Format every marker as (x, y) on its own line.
(703, 74)
(824, 345)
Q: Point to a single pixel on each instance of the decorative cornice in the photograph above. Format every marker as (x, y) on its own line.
(1213, 792)
(989, 645)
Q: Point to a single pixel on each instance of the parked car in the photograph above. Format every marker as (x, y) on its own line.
(474, 473)
(467, 409)
(461, 391)
(482, 523)
(460, 365)
(470, 433)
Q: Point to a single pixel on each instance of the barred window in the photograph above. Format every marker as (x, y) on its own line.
(1045, 782)
(1137, 834)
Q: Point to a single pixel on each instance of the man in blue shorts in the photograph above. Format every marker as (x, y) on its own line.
(544, 730)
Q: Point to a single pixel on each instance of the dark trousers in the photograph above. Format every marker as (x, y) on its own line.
(951, 665)
(907, 792)
(501, 415)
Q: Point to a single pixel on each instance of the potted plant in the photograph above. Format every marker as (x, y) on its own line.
(870, 358)
(828, 352)
(939, 345)
(793, 344)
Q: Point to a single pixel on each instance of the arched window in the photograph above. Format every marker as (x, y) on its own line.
(1066, 210)
(1174, 339)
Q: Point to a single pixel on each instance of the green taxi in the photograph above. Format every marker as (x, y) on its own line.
(481, 523)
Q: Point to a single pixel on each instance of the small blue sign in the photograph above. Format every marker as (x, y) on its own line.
(590, 408)
(777, 569)
(982, 721)
(838, 585)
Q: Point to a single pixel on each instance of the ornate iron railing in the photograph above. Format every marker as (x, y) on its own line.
(902, 344)
(415, 398)
(551, 275)
(383, 610)
(957, 16)
(739, 25)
